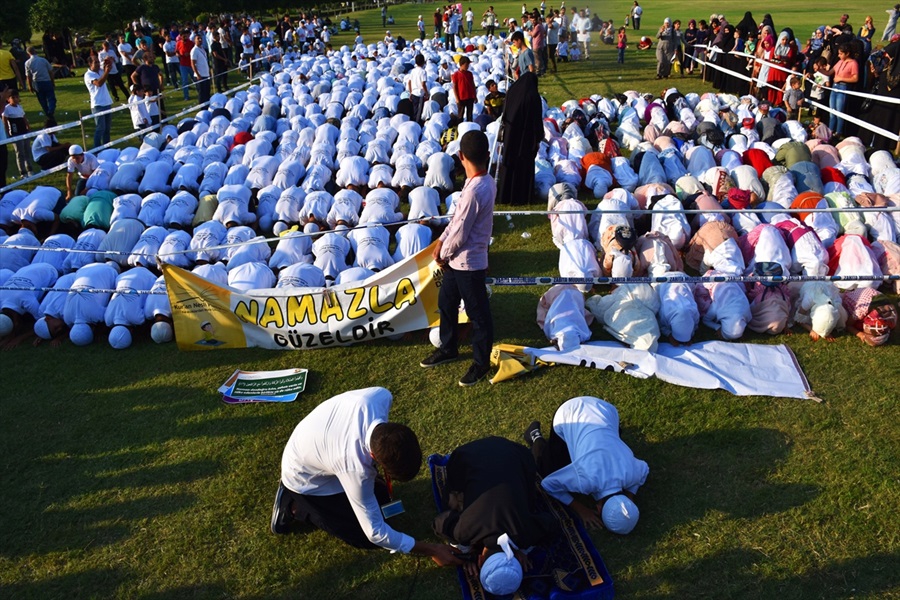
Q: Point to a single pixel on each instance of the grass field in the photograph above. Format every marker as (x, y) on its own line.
(125, 476)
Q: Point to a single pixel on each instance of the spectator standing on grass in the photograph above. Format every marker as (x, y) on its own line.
(39, 73)
(490, 20)
(183, 47)
(844, 74)
(95, 80)
(539, 43)
(470, 20)
(126, 53)
(417, 86)
(220, 63)
(4, 148)
(148, 75)
(200, 66)
(636, 12)
(665, 49)
(114, 81)
(15, 124)
(583, 31)
(420, 26)
(891, 28)
(462, 253)
(9, 69)
(464, 89)
(170, 50)
(552, 39)
(525, 57)
(621, 44)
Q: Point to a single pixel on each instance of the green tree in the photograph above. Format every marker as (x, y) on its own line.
(56, 15)
(14, 23)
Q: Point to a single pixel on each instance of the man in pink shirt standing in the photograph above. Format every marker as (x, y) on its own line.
(462, 253)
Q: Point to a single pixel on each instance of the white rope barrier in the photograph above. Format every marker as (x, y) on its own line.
(545, 281)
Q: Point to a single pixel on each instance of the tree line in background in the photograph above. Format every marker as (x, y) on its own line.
(19, 20)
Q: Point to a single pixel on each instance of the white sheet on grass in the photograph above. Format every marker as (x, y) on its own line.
(742, 369)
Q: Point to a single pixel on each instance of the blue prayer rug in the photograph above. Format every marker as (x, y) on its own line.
(566, 568)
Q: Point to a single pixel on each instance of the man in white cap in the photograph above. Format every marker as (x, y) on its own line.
(492, 511)
(585, 455)
(85, 306)
(330, 474)
(81, 163)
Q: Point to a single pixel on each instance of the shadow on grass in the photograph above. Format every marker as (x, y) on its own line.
(98, 583)
(734, 577)
(92, 470)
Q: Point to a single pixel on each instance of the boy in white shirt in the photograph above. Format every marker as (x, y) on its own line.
(140, 116)
(15, 123)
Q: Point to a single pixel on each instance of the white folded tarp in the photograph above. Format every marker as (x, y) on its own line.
(742, 369)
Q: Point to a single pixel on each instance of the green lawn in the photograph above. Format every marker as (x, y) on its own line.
(125, 476)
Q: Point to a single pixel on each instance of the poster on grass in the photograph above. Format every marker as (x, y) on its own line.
(399, 299)
(263, 386)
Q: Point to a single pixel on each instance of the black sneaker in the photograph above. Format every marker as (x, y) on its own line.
(532, 433)
(281, 512)
(438, 357)
(474, 375)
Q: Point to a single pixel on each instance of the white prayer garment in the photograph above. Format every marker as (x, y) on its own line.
(125, 307)
(117, 245)
(173, 249)
(181, 210)
(54, 303)
(578, 258)
(50, 254)
(147, 247)
(254, 250)
(153, 209)
(562, 316)
(301, 276)
(602, 464)
(84, 306)
(251, 276)
(157, 304)
(24, 299)
(331, 251)
(216, 273)
(411, 239)
(38, 206)
(89, 240)
(724, 306)
(569, 226)
(628, 313)
(424, 202)
(234, 206)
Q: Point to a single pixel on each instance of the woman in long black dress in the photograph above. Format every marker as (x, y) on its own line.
(522, 130)
(885, 114)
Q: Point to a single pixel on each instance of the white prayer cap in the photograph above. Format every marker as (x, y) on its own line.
(120, 337)
(501, 573)
(824, 319)
(161, 332)
(6, 325)
(620, 514)
(41, 329)
(682, 325)
(81, 334)
(310, 228)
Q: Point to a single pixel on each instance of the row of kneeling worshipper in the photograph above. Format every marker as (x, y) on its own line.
(306, 148)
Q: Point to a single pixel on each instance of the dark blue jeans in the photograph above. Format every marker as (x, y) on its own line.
(470, 287)
(46, 95)
(104, 125)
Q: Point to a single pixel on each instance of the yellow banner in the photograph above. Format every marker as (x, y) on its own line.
(399, 299)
